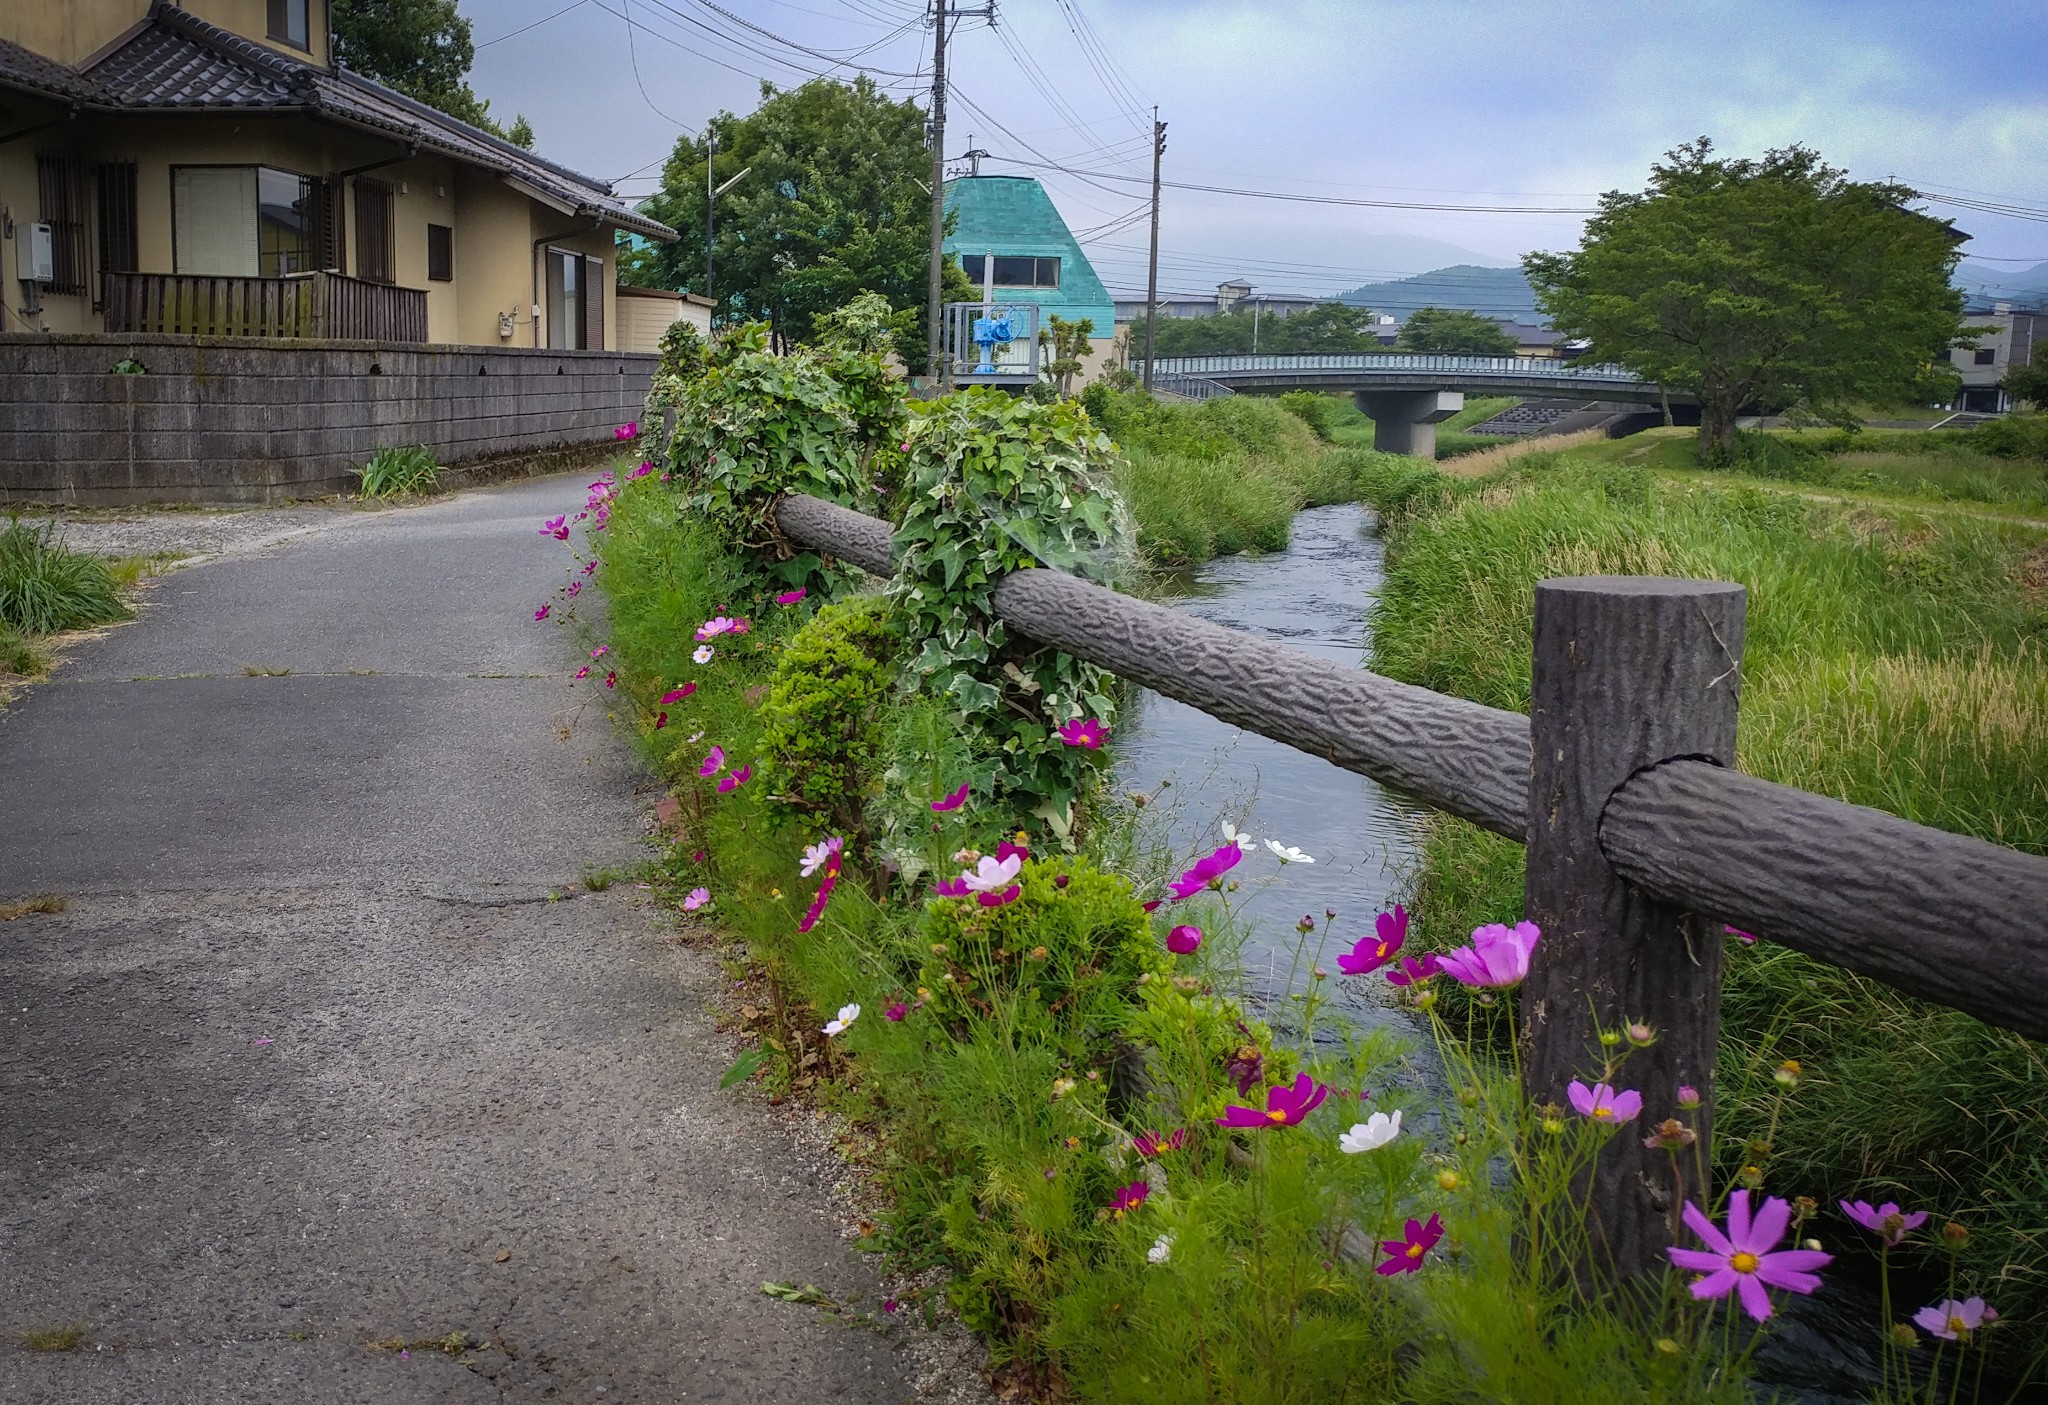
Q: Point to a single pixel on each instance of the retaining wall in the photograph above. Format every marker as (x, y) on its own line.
(250, 420)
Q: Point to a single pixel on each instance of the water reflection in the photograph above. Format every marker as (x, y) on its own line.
(1315, 596)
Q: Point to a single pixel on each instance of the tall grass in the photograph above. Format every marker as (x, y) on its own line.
(1894, 659)
(45, 587)
(399, 472)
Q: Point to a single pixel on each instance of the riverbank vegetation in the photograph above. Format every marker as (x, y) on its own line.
(974, 952)
(1895, 658)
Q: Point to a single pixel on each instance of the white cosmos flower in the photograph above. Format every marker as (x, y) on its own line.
(847, 1015)
(703, 653)
(1287, 853)
(1233, 835)
(993, 875)
(816, 854)
(1161, 1250)
(1372, 1134)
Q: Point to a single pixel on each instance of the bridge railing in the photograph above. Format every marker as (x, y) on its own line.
(1642, 838)
(1393, 364)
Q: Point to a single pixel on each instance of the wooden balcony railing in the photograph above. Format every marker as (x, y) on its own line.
(327, 306)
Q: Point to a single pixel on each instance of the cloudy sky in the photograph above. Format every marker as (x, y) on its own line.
(1432, 102)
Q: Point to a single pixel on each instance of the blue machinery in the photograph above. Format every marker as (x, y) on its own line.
(991, 332)
(992, 344)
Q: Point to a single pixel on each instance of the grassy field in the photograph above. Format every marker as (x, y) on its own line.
(1895, 658)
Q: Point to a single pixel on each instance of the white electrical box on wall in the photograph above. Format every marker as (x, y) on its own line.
(34, 260)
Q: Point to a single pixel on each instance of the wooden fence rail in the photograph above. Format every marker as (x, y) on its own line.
(301, 305)
(1642, 837)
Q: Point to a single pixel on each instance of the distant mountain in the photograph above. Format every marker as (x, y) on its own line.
(1496, 292)
(1987, 282)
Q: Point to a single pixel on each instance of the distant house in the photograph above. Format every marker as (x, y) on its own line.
(645, 313)
(206, 168)
(1012, 241)
(2016, 338)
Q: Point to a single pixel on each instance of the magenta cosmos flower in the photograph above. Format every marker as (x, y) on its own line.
(1602, 1104)
(660, 720)
(1285, 1106)
(1184, 940)
(1151, 1145)
(1371, 953)
(1404, 1255)
(697, 898)
(1498, 955)
(541, 613)
(643, 470)
(895, 1013)
(1886, 1221)
(735, 780)
(1206, 870)
(589, 567)
(1953, 1321)
(556, 527)
(1129, 1198)
(1089, 734)
(790, 597)
(716, 626)
(951, 802)
(714, 762)
(676, 695)
(1415, 970)
(629, 430)
(583, 672)
(611, 680)
(1741, 1261)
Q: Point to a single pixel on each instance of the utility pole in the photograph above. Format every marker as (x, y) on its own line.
(1152, 268)
(934, 309)
(710, 195)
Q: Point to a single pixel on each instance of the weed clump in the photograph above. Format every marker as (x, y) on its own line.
(46, 587)
(398, 472)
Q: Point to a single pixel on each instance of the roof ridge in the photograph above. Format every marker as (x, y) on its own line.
(227, 43)
(433, 113)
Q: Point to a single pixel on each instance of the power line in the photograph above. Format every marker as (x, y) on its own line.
(513, 34)
(1319, 199)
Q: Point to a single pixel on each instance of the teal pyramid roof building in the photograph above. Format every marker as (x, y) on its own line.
(1012, 220)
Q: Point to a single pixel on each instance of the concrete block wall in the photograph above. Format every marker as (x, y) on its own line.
(252, 420)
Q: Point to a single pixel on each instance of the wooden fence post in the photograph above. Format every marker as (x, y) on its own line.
(1629, 671)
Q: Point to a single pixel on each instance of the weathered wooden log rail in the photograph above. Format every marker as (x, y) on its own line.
(1643, 840)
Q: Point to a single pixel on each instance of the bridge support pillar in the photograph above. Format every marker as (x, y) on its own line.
(1405, 421)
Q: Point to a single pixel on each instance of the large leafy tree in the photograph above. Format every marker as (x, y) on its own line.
(832, 204)
(1760, 283)
(423, 48)
(1452, 331)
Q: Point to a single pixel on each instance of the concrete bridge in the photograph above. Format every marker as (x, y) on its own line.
(1406, 396)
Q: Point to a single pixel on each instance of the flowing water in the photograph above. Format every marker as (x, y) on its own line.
(1318, 595)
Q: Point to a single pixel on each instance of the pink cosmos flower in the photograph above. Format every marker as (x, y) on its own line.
(1129, 1199)
(1602, 1104)
(790, 597)
(735, 780)
(1746, 938)
(541, 613)
(1002, 899)
(600, 651)
(895, 1013)
(1089, 734)
(676, 695)
(1006, 851)
(698, 897)
(1404, 1255)
(1285, 1106)
(575, 589)
(1741, 1261)
(642, 471)
(1498, 955)
(1150, 1145)
(741, 627)
(1953, 1321)
(951, 888)
(1247, 1069)
(611, 680)
(589, 567)
(714, 762)
(993, 874)
(1184, 940)
(951, 802)
(817, 907)
(556, 527)
(1688, 1096)
(583, 672)
(1205, 871)
(628, 430)
(660, 721)
(1886, 1220)
(713, 627)
(820, 854)
(1371, 953)
(1413, 970)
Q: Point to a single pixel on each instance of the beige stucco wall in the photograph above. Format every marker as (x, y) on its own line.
(71, 30)
(645, 314)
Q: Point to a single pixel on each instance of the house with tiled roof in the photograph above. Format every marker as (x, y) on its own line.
(1015, 248)
(205, 168)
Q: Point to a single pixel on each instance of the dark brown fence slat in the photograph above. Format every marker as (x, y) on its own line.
(1941, 916)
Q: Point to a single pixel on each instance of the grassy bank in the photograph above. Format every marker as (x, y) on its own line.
(46, 589)
(1895, 658)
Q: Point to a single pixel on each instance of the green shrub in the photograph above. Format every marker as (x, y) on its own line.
(46, 587)
(821, 721)
(1313, 409)
(2014, 437)
(398, 472)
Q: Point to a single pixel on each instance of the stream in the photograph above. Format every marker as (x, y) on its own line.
(1317, 595)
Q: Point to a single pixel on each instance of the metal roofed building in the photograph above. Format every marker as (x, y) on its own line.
(1008, 231)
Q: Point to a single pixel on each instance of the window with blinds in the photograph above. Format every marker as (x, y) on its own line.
(373, 232)
(65, 200)
(213, 220)
(565, 300)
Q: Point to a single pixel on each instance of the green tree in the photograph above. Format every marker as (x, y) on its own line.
(1763, 283)
(1452, 331)
(1068, 343)
(832, 204)
(2030, 384)
(423, 48)
(1329, 328)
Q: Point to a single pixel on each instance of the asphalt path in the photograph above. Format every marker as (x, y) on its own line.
(333, 1055)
